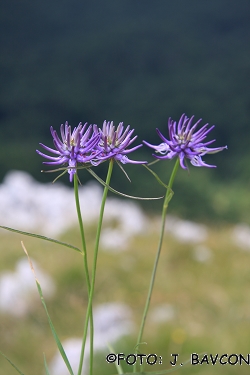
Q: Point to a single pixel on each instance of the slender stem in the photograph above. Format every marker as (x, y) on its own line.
(85, 260)
(163, 221)
(98, 233)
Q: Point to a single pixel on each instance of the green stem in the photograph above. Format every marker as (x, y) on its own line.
(85, 260)
(163, 221)
(98, 233)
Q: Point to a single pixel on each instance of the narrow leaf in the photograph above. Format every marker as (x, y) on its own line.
(65, 169)
(169, 197)
(41, 238)
(154, 162)
(58, 342)
(123, 170)
(155, 175)
(118, 367)
(12, 364)
(115, 191)
(45, 365)
(60, 175)
(56, 338)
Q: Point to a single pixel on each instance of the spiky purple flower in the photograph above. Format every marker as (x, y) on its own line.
(185, 142)
(113, 143)
(76, 147)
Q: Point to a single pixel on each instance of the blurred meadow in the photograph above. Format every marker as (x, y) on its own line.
(200, 301)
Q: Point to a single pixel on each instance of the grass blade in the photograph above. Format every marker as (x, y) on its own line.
(12, 364)
(56, 338)
(115, 191)
(118, 367)
(45, 365)
(155, 175)
(41, 238)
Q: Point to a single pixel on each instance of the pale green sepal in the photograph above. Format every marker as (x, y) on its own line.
(42, 238)
(60, 175)
(115, 191)
(65, 169)
(12, 364)
(153, 162)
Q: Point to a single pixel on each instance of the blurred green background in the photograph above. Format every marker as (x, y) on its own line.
(139, 62)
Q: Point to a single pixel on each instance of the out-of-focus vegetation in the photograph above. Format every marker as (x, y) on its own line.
(133, 61)
(209, 299)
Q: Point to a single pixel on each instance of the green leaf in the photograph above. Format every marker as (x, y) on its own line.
(45, 365)
(60, 175)
(118, 367)
(65, 169)
(123, 170)
(115, 191)
(169, 197)
(153, 162)
(41, 238)
(56, 338)
(156, 176)
(12, 364)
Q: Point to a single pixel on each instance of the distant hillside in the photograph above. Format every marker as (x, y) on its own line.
(137, 62)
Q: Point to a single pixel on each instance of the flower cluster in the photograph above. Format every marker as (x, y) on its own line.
(185, 142)
(89, 146)
(92, 145)
(114, 142)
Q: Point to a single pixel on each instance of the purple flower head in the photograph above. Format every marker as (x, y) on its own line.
(185, 142)
(76, 147)
(114, 142)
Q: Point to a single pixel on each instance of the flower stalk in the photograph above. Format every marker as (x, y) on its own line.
(167, 198)
(86, 146)
(92, 286)
(85, 262)
(184, 143)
